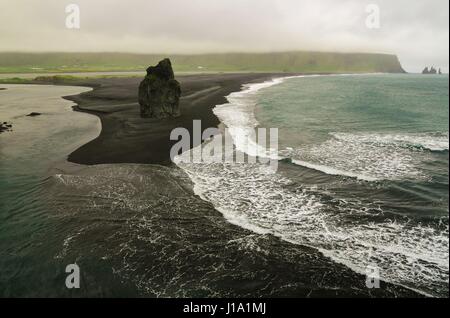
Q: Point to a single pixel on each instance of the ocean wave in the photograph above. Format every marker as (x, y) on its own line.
(356, 234)
(427, 141)
(333, 171)
(144, 222)
(350, 232)
(371, 156)
(238, 115)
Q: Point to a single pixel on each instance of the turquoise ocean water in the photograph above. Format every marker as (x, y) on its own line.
(363, 175)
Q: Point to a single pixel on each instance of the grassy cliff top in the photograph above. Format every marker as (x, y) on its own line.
(293, 62)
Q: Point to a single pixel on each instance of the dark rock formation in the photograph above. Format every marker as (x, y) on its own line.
(431, 70)
(5, 126)
(159, 92)
(33, 114)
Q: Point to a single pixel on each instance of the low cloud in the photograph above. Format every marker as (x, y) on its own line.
(416, 30)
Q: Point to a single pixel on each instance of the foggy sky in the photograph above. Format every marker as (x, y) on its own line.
(416, 30)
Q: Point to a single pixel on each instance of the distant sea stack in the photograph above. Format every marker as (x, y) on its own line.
(431, 70)
(159, 92)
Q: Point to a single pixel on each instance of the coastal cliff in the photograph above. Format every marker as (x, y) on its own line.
(287, 62)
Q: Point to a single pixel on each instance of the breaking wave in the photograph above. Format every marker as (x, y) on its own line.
(371, 156)
(353, 232)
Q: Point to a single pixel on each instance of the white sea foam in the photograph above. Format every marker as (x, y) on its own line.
(409, 254)
(371, 156)
(427, 141)
(333, 171)
(352, 233)
(238, 116)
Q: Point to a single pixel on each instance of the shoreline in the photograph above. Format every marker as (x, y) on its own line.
(203, 95)
(128, 138)
(253, 87)
(110, 101)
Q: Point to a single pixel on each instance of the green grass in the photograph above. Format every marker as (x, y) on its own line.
(302, 62)
(54, 79)
(58, 78)
(15, 80)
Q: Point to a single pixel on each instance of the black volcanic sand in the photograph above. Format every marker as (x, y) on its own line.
(139, 230)
(128, 138)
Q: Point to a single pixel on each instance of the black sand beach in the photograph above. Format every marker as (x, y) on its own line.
(144, 225)
(128, 138)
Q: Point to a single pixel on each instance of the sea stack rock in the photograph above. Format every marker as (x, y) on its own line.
(431, 70)
(159, 92)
